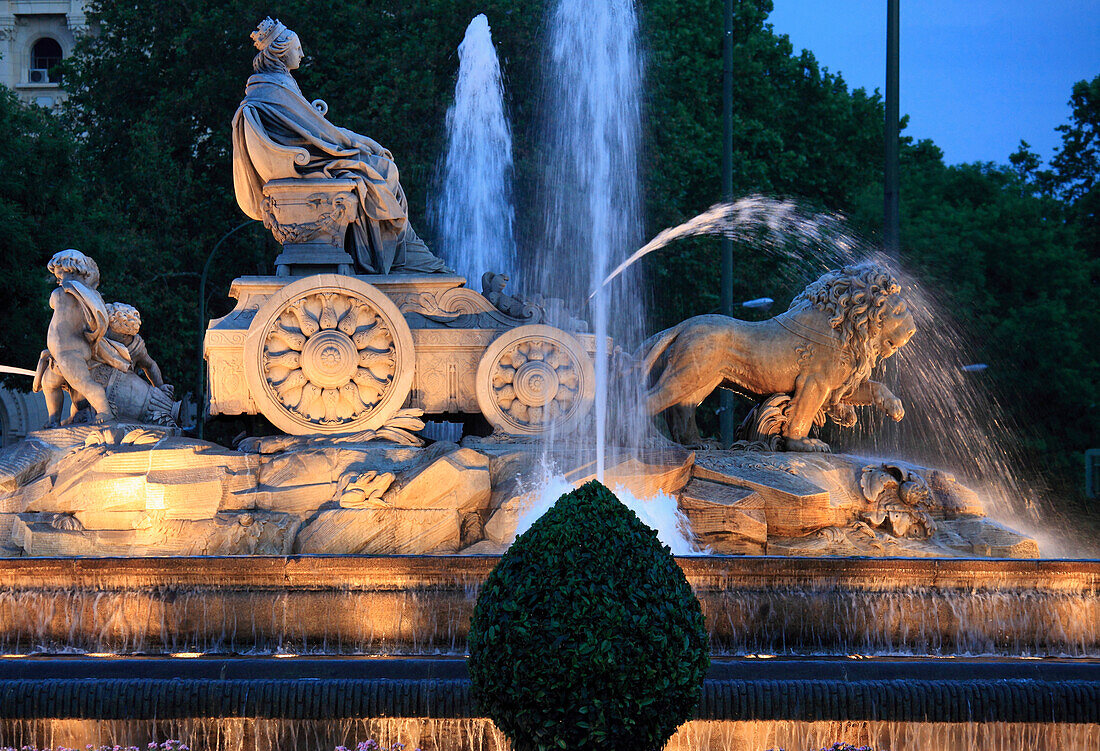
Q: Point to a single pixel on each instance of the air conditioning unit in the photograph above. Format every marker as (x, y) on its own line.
(39, 75)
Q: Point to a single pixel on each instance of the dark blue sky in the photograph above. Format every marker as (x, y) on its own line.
(976, 77)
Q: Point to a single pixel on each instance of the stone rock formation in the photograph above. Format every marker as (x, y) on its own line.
(124, 489)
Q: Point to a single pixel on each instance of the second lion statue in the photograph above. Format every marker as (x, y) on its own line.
(821, 352)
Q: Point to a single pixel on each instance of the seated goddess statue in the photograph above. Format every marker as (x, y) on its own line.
(279, 134)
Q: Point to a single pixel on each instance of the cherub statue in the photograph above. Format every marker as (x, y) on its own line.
(279, 134)
(77, 340)
(124, 324)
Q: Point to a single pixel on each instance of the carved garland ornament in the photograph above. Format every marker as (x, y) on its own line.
(328, 227)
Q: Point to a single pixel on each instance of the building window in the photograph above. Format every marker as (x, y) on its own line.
(45, 55)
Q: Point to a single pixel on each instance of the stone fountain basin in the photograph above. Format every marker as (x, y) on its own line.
(421, 605)
(316, 704)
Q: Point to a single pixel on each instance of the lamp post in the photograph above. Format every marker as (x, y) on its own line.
(891, 222)
(201, 390)
(725, 414)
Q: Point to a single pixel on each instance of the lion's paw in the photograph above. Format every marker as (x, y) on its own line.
(893, 407)
(807, 445)
(844, 415)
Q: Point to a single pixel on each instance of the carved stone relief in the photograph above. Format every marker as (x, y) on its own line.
(534, 379)
(329, 354)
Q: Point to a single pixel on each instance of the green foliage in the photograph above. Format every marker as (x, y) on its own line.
(1002, 262)
(43, 209)
(586, 634)
(797, 130)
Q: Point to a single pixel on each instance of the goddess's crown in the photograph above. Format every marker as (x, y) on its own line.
(267, 32)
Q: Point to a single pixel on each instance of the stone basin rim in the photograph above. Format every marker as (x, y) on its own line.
(298, 572)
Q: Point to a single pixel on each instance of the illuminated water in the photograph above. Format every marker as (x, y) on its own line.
(659, 512)
(592, 196)
(478, 734)
(474, 211)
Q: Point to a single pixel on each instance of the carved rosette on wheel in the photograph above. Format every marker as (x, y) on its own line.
(329, 354)
(533, 380)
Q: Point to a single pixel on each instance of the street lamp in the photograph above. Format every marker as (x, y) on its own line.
(201, 390)
(891, 220)
(725, 419)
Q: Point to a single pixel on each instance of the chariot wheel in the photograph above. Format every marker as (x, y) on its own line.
(533, 380)
(328, 354)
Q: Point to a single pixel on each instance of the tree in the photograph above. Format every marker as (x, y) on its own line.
(1011, 289)
(798, 131)
(42, 210)
(586, 634)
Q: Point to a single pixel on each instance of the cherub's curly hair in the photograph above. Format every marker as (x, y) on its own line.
(123, 319)
(72, 262)
(855, 300)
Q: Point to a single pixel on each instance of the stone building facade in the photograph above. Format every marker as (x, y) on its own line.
(35, 35)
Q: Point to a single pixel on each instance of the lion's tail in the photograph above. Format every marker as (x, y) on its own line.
(655, 346)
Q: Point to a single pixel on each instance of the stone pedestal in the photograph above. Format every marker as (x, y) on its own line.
(309, 217)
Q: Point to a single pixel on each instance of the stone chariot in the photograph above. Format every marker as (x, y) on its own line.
(319, 349)
(341, 353)
(336, 353)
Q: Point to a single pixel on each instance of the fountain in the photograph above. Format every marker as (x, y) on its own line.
(474, 210)
(315, 586)
(592, 136)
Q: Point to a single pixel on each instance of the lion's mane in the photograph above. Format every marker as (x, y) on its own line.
(854, 298)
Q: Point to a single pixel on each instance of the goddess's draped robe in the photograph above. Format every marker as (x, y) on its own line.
(278, 134)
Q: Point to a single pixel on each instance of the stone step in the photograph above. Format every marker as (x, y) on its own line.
(747, 689)
(726, 519)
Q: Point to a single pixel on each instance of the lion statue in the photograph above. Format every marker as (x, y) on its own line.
(821, 352)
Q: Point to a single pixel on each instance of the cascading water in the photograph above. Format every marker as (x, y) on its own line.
(474, 211)
(591, 195)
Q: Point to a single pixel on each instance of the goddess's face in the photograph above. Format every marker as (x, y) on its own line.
(294, 53)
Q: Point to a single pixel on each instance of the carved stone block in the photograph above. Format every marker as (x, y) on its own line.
(458, 480)
(113, 519)
(244, 533)
(793, 506)
(342, 531)
(724, 515)
(309, 218)
(500, 528)
(989, 539)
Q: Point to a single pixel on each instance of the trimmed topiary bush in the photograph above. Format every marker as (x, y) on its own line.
(586, 634)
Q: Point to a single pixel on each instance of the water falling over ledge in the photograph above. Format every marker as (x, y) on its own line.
(421, 605)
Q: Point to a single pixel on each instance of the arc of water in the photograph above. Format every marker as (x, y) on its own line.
(743, 217)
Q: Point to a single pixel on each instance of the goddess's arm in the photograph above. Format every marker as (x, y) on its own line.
(367, 144)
